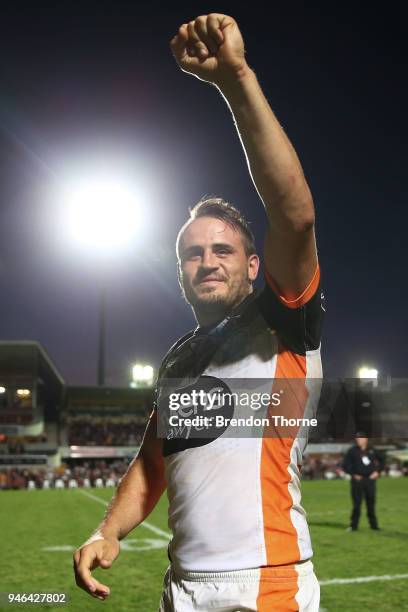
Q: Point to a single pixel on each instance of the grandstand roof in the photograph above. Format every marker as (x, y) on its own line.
(28, 358)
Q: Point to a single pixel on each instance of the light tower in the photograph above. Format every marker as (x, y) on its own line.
(102, 214)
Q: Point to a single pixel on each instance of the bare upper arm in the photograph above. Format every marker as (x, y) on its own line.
(151, 450)
(291, 260)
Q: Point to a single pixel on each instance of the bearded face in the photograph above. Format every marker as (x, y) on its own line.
(215, 272)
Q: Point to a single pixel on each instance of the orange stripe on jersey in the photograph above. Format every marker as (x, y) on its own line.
(303, 298)
(277, 589)
(290, 365)
(280, 535)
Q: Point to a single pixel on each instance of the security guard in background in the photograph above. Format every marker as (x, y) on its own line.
(364, 465)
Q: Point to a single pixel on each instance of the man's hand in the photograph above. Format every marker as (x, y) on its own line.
(211, 48)
(100, 553)
(374, 475)
(357, 477)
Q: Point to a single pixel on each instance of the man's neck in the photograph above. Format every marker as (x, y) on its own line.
(209, 318)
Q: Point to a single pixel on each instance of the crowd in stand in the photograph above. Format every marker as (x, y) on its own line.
(330, 467)
(17, 445)
(104, 433)
(327, 467)
(98, 473)
(101, 473)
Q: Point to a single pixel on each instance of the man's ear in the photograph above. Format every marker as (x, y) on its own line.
(253, 267)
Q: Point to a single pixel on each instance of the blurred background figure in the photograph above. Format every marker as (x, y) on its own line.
(364, 466)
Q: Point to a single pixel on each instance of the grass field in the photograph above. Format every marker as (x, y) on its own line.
(31, 522)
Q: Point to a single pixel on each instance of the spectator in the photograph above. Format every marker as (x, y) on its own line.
(364, 466)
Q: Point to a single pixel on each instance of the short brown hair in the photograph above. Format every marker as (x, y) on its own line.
(220, 209)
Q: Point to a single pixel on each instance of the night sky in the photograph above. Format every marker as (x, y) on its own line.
(95, 83)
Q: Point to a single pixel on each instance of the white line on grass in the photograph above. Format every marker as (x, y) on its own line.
(363, 579)
(323, 513)
(322, 582)
(153, 528)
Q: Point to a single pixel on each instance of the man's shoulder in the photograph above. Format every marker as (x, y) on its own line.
(179, 342)
(173, 348)
(298, 323)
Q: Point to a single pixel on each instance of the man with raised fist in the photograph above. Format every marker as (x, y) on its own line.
(240, 537)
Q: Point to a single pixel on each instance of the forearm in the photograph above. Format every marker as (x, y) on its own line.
(136, 496)
(272, 160)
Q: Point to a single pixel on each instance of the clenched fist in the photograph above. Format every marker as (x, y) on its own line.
(211, 48)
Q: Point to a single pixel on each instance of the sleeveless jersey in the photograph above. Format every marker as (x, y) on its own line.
(235, 502)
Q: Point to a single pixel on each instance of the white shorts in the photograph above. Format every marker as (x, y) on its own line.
(278, 589)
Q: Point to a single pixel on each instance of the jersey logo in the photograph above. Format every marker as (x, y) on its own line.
(187, 415)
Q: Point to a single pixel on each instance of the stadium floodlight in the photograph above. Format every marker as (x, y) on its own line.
(102, 212)
(23, 392)
(366, 372)
(2, 390)
(142, 376)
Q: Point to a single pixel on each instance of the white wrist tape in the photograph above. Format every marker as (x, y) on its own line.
(94, 538)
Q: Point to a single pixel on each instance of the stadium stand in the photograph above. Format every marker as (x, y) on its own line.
(104, 431)
(53, 435)
(98, 473)
(56, 435)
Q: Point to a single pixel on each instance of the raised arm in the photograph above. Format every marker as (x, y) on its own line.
(137, 494)
(211, 48)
